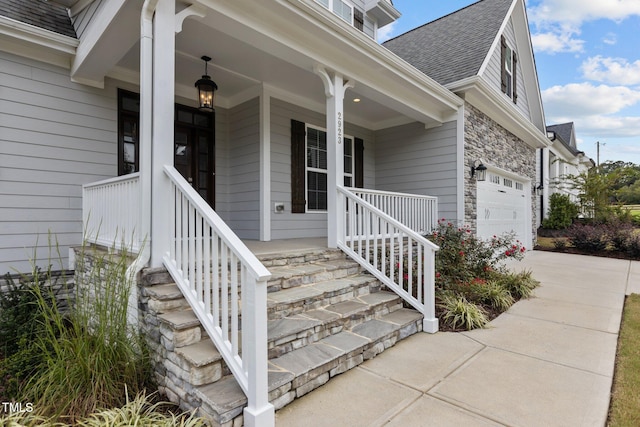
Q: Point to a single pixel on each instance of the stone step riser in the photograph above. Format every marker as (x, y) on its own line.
(320, 375)
(281, 310)
(279, 283)
(294, 375)
(279, 260)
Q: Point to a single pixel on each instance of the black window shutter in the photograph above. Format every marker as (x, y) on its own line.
(358, 19)
(359, 162)
(503, 69)
(515, 73)
(298, 134)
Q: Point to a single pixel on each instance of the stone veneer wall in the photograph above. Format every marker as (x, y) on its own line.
(487, 140)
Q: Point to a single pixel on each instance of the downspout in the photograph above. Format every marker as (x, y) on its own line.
(541, 185)
(146, 137)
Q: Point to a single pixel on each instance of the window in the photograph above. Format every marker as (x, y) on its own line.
(317, 168)
(309, 168)
(350, 14)
(509, 70)
(343, 10)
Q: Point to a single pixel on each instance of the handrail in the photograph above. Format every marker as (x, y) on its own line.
(111, 212)
(226, 286)
(398, 256)
(416, 211)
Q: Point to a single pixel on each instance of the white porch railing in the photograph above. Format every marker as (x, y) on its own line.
(111, 212)
(419, 213)
(398, 256)
(213, 268)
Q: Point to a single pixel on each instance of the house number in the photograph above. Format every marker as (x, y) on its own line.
(339, 128)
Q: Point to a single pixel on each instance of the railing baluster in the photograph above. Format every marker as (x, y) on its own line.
(234, 304)
(224, 285)
(398, 250)
(216, 273)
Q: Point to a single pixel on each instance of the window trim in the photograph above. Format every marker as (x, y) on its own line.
(308, 169)
(509, 81)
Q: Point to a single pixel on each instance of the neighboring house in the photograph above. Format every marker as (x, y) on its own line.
(317, 132)
(557, 164)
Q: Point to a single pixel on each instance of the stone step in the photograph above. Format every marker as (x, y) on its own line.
(313, 296)
(298, 372)
(293, 258)
(296, 331)
(293, 275)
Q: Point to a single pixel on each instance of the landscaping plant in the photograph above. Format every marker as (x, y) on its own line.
(472, 283)
(141, 411)
(88, 355)
(562, 212)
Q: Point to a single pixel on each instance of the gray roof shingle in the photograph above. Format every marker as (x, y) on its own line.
(453, 47)
(40, 13)
(563, 133)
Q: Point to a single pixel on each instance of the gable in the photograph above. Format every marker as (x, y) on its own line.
(455, 46)
(492, 73)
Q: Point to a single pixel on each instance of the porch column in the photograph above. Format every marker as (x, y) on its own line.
(162, 128)
(335, 88)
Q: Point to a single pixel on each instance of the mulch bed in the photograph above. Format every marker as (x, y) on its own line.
(574, 251)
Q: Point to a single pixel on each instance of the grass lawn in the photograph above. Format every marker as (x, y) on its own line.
(625, 400)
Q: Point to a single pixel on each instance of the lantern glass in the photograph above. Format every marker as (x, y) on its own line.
(481, 173)
(206, 92)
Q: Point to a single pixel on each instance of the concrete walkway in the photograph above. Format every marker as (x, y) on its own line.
(548, 361)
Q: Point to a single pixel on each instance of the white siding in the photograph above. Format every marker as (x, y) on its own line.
(288, 225)
(55, 135)
(493, 72)
(244, 170)
(410, 159)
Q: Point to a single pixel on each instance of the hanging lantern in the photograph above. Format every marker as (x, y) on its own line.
(206, 89)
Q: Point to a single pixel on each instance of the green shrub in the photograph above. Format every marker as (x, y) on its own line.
(562, 212)
(22, 321)
(458, 313)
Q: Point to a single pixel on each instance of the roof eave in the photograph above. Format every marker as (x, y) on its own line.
(494, 104)
(34, 42)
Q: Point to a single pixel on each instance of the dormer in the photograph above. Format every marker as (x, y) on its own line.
(382, 11)
(366, 15)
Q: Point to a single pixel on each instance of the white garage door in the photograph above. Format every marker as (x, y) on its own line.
(503, 206)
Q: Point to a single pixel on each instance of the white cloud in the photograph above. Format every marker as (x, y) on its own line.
(556, 42)
(609, 127)
(585, 99)
(611, 70)
(386, 32)
(610, 39)
(575, 12)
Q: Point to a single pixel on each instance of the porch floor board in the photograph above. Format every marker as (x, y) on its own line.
(286, 245)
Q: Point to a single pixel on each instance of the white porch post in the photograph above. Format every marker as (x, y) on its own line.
(163, 105)
(335, 88)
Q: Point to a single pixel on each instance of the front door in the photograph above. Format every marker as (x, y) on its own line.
(194, 143)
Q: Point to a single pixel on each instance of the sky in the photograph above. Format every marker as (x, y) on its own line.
(587, 55)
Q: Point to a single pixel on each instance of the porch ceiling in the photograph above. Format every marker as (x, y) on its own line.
(277, 43)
